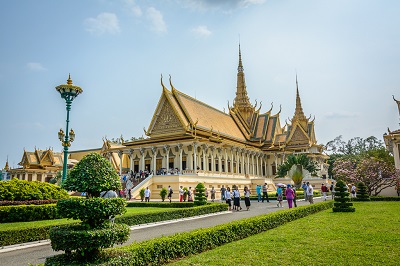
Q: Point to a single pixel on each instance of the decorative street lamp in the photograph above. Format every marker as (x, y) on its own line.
(68, 93)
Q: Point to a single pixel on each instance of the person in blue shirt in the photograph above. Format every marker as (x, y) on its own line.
(258, 190)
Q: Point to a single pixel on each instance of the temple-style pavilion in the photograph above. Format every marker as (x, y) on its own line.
(200, 143)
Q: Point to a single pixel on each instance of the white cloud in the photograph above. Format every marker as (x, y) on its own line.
(35, 66)
(156, 19)
(103, 23)
(134, 8)
(204, 5)
(202, 32)
(340, 114)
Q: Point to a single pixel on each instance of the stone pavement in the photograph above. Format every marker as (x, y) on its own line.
(36, 252)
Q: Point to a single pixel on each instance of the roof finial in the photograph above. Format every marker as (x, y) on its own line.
(240, 67)
(162, 84)
(69, 80)
(298, 113)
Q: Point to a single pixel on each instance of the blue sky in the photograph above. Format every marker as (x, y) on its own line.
(346, 55)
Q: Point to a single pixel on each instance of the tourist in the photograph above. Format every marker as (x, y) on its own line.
(206, 193)
(279, 196)
(258, 190)
(129, 186)
(295, 196)
(181, 192)
(247, 198)
(213, 194)
(147, 194)
(353, 191)
(333, 190)
(304, 187)
(310, 193)
(265, 192)
(190, 195)
(228, 197)
(236, 199)
(289, 193)
(324, 190)
(108, 194)
(223, 193)
(170, 191)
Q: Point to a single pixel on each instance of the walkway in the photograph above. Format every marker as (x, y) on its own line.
(36, 254)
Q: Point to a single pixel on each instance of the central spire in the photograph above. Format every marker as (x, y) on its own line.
(242, 102)
(298, 113)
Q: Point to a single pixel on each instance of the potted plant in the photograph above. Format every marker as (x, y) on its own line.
(163, 193)
(141, 193)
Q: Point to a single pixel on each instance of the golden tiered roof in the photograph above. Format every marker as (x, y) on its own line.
(178, 115)
(40, 159)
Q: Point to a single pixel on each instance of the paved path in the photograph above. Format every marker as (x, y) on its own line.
(37, 253)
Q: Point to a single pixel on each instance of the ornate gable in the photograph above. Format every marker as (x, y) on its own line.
(298, 137)
(165, 120)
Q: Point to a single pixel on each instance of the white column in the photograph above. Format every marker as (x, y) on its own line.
(205, 163)
(212, 149)
(120, 153)
(131, 156)
(154, 151)
(166, 157)
(195, 156)
(180, 147)
(219, 160)
(248, 161)
(226, 161)
(142, 155)
(243, 170)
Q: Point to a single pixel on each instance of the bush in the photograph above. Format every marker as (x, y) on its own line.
(22, 213)
(162, 250)
(93, 174)
(362, 193)
(342, 201)
(23, 190)
(163, 193)
(200, 196)
(93, 212)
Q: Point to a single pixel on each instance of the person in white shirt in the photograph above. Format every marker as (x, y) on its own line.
(181, 192)
(228, 197)
(247, 197)
(236, 199)
(147, 194)
(310, 193)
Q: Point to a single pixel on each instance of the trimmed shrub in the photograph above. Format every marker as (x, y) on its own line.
(165, 249)
(342, 200)
(23, 190)
(93, 174)
(362, 193)
(163, 193)
(200, 196)
(160, 204)
(27, 213)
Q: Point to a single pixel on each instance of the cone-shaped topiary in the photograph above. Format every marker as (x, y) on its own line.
(93, 174)
(362, 193)
(200, 196)
(163, 193)
(342, 200)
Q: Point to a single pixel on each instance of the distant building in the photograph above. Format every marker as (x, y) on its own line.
(40, 165)
(4, 173)
(392, 140)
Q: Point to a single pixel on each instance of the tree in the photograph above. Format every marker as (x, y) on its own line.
(301, 161)
(93, 174)
(342, 200)
(377, 174)
(200, 196)
(362, 192)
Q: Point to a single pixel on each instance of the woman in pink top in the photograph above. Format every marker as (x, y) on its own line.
(289, 193)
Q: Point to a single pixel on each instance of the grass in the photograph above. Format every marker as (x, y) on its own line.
(369, 236)
(22, 225)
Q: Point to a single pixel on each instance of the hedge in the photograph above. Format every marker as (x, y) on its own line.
(11, 237)
(27, 213)
(168, 248)
(160, 204)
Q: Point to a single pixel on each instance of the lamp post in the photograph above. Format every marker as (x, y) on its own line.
(68, 92)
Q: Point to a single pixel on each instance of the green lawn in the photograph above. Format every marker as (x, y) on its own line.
(21, 225)
(369, 236)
